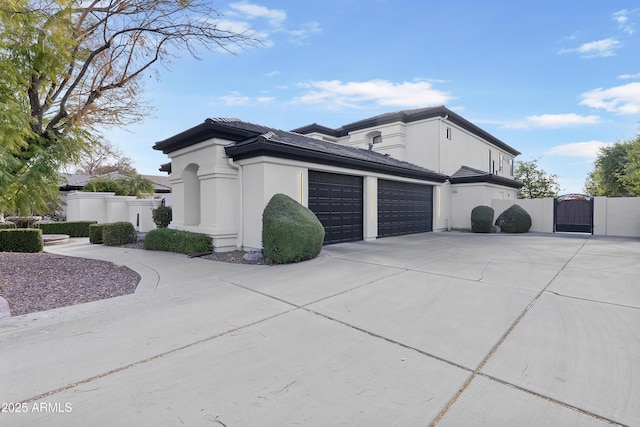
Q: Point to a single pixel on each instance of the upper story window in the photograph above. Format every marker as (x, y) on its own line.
(376, 139)
(449, 133)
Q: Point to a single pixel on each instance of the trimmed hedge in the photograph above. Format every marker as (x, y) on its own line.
(514, 220)
(7, 224)
(70, 228)
(290, 231)
(182, 242)
(95, 234)
(118, 233)
(21, 240)
(482, 219)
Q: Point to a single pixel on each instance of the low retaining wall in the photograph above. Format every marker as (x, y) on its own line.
(612, 216)
(107, 207)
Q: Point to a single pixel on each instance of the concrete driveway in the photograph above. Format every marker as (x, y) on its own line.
(447, 329)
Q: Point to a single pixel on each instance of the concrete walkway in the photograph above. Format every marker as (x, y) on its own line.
(450, 329)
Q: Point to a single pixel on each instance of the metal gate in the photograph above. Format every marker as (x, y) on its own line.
(573, 213)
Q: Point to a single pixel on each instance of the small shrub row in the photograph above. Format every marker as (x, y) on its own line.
(118, 233)
(21, 240)
(182, 242)
(7, 224)
(70, 228)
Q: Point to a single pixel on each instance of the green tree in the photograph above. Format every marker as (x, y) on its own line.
(537, 183)
(132, 186)
(68, 67)
(616, 170)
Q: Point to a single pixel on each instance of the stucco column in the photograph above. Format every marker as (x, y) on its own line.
(177, 193)
(370, 208)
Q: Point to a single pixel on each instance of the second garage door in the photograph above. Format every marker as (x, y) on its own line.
(336, 200)
(404, 208)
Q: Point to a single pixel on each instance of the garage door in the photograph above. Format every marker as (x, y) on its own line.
(404, 208)
(337, 202)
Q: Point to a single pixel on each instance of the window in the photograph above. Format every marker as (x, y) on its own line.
(449, 133)
(376, 139)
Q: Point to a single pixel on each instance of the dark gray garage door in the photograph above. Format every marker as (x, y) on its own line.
(404, 208)
(337, 202)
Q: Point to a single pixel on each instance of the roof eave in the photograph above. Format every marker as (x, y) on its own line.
(202, 132)
(488, 178)
(264, 147)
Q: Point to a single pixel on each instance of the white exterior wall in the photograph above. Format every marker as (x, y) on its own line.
(205, 193)
(540, 211)
(117, 208)
(616, 216)
(465, 197)
(425, 143)
(86, 206)
(107, 207)
(140, 213)
(262, 177)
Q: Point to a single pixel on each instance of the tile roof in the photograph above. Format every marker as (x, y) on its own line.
(252, 140)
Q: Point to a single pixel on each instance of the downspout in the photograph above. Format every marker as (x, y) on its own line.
(240, 244)
(442, 171)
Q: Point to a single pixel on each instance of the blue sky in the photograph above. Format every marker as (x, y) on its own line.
(553, 79)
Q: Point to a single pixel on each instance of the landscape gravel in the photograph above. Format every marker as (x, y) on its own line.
(32, 282)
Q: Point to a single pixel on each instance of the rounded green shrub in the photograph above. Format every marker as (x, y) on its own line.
(162, 216)
(482, 219)
(118, 233)
(290, 231)
(95, 233)
(7, 224)
(21, 240)
(514, 220)
(182, 242)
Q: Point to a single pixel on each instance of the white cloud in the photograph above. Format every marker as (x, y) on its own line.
(235, 99)
(244, 13)
(629, 76)
(275, 17)
(337, 94)
(623, 99)
(595, 49)
(265, 99)
(553, 121)
(589, 149)
(622, 18)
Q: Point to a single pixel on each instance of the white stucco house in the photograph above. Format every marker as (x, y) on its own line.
(398, 173)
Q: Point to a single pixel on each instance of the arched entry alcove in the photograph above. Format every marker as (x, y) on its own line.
(191, 195)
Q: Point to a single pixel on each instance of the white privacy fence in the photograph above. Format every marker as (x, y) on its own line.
(612, 216)
(107, 207)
